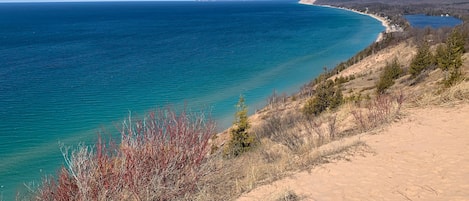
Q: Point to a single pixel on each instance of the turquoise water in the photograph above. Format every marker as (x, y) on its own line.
(69, 69)
(422, 21)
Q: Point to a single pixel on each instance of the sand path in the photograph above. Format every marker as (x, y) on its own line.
(424, 156)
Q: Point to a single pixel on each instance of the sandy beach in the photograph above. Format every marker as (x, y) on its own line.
(383, 21)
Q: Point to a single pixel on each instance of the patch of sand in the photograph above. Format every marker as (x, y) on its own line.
(424, 156)
(403, 52)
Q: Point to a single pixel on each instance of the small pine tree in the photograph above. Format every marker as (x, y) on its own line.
(450, 58)
(391, 72)
(441, 57)
(337, 99)
(326, 96)
(241, 140)
(421, 61)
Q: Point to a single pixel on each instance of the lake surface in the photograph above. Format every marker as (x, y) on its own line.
(422, 21)
(69, 69)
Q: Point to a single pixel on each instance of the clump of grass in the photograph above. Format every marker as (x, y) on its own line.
(454, 94)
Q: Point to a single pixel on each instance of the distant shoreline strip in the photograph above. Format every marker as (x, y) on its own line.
(383, 21)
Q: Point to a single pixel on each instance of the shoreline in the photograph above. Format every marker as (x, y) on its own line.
(383, 21)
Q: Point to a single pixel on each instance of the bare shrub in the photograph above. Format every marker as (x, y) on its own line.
(316, 126)
(360, 119)
(332, 127)
(282, 130)
(400, 98)
(160, 157)
(276, 100)
(269, 156)
(380, 110)
(325, 129)
(297, 132)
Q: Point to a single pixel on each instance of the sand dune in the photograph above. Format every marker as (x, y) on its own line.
(423, 156)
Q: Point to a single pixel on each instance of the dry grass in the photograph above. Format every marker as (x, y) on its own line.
(456, 94)
(270, 162)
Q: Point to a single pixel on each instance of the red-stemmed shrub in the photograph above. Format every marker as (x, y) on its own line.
(160, 157)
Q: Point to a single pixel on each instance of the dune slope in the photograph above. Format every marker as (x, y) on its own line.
(423, 156)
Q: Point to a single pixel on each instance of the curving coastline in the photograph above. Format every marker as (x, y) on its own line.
(383, 21)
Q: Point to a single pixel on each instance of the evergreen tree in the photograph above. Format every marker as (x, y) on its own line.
(421, 61)
(326, 96)
(441, 57)
(337, 99)
(241, 139)
(391, 72)
(450, 57)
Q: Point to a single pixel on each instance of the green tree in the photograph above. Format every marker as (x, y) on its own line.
(326, 96)
(241, 140)
(337, 99)
(441, 57)
(421, 61)
(391, 72)
(450, 57)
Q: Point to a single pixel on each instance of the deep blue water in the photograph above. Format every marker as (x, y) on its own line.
(70, 69)
(422, 21)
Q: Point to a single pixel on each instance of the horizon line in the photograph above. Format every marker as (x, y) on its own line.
(78, 1)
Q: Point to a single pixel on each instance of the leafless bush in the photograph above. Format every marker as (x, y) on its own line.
(160, 157)
(269, 156)
(306, 90)
(283, 129)
(316, 126)
(360, 119)
(276, 99)
(332, 127)
(400, 98)
(381, 109)
(325, 129)
(295, 130)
